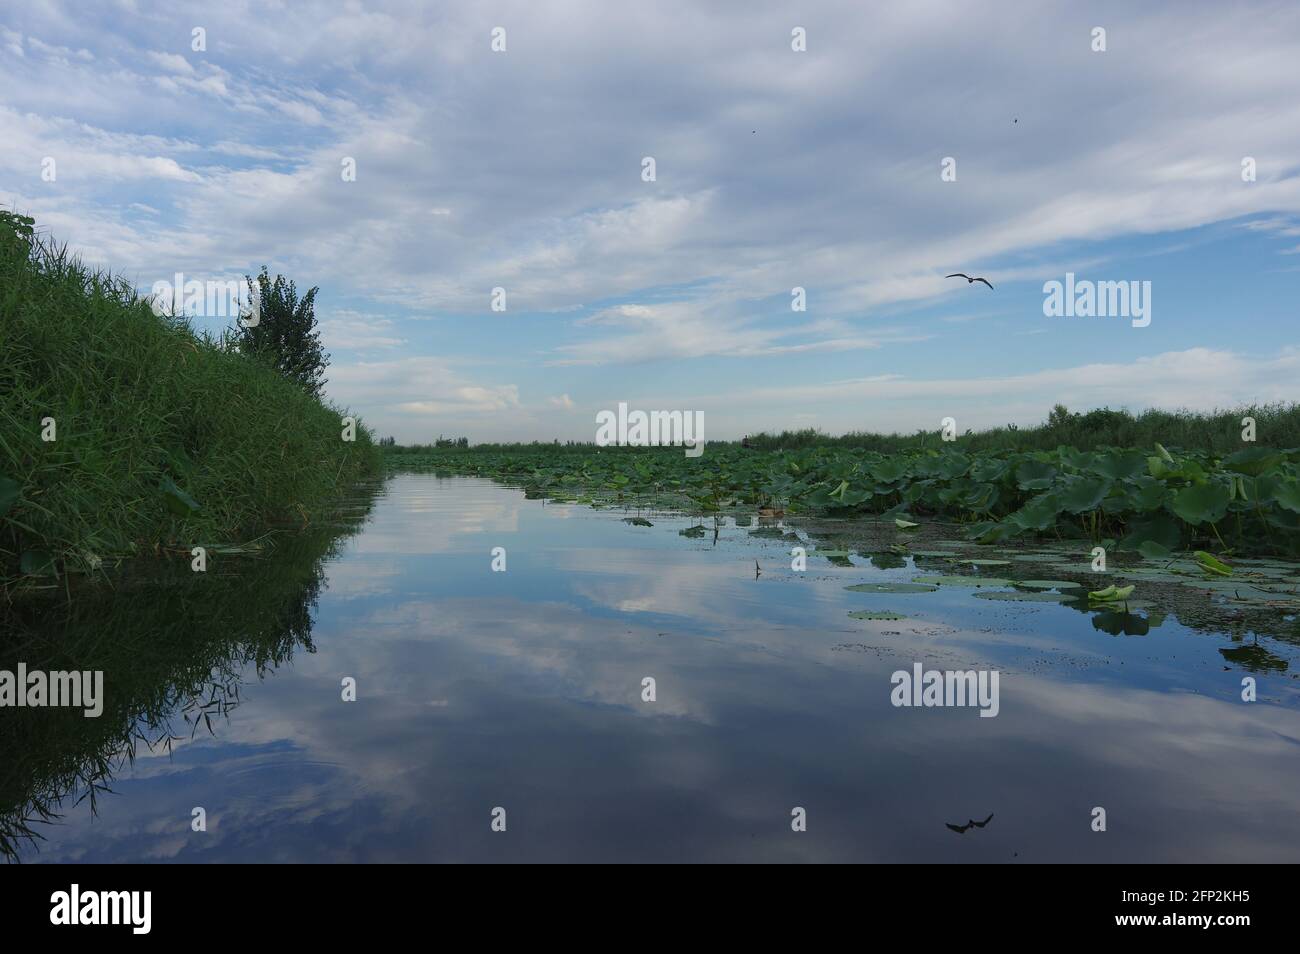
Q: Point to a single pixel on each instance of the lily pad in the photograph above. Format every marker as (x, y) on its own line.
(892, 588)
(1154, 550)
(1016, 596)
(1202, 503)
(883, 614)
(1050, 584)
(1035, 475)
(962, 580)
(988, 562)
(1085, 494)
(1083, 566)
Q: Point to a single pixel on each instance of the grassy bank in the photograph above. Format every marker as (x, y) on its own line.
(162, 438)
(1243, 497)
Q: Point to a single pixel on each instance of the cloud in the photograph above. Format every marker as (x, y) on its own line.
(171, 62)
(356, 331)
(1198, 379)
(774, 169)
(555, 209)
(416, 386)
(708, 328)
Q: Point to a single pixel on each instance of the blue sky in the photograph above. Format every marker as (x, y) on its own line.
(820, 169)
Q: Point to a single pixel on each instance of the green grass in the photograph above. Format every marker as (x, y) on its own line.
(164, 438)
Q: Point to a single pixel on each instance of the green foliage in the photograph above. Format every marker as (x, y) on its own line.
(285, 335)
(1219, 432)
(164, 437)
(1151, 499)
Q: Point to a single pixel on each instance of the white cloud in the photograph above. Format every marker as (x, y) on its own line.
(171, 62)
(355, 331)
(774, 169)
(416, 386)
(1198, 379)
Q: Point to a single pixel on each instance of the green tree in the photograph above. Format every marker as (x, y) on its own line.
(1059, 416)
(281, 330)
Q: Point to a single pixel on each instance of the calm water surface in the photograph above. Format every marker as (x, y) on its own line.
(522, 690)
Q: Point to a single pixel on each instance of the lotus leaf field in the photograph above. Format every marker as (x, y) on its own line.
(1153, 501)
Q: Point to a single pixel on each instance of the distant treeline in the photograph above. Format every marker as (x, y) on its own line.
(390, 445)
(1275, 425)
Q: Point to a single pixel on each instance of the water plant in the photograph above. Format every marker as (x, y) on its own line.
(1152, 500)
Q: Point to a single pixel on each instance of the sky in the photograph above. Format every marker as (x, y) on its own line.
(775, 167)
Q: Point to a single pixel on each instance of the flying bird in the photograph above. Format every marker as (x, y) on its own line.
(757, 571)
(962, 829)
(969, 280)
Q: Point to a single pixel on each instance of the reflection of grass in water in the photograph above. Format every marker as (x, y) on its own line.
(176, 642)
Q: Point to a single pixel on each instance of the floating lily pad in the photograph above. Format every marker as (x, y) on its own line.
(892, 588)
(883, 614)
(988, 562)
(956, 580)
(1083, 566)
(1157, 576)
(1050, 584)
(1231, 586)
(1016, 596)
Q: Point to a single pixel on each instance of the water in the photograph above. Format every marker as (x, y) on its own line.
(522, 690)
